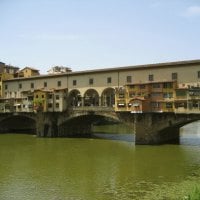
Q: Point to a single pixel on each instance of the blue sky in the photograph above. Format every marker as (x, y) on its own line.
(91, 34)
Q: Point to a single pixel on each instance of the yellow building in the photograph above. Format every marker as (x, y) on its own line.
(187, 100)
(6, 72)
(27, 72)
(40, 100)
(146, 97)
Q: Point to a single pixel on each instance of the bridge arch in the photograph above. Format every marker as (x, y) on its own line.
(18, 124)
(108, 97)
(81, 124)
(74, 98)
(91, 98)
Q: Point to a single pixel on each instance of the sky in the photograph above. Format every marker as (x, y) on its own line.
(97, 34)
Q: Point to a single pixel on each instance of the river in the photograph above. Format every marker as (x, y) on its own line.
(108, 167)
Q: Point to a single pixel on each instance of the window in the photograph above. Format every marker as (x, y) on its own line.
(169, 105)
(167, 85)
(50, 96)
(6, 87)
(32, 85)
(74, 82)
(20, 85)
(156, 85)
(91, 81)
(36, 96)
(198, 74)
(57, 97)
(45, 84)
(109, 80)
(42, 96)
(59, 83)
(156, 94)
(150, 77)
(174, 76)
(168, 95)
(57, 105)
(50, 105)
(129, 79)
(142, 86)
(155, 104)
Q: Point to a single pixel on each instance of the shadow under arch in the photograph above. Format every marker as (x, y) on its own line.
(108, 97)
(18, 124)
(81, 126)
(173, 131)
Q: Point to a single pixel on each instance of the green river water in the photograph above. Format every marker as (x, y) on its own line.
(109, 168)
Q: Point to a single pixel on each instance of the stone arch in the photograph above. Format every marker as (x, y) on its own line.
(108, 97)
(74, 98)
(91, 98)
(85, 122)
(18, 124)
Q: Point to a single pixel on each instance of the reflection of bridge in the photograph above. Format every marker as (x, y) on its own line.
(151, 128)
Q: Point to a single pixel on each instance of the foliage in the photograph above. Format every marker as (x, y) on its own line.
(194, 195)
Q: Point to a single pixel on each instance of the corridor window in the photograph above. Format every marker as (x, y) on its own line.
(57, 97)
(6, 87)
(20, 85)
(91, 81)
(32, 85)
(59, 83)
(198, 74)
(150, 77)
(109, 80)
(45, 84)
(129, 79)
(74, 82)
(174, 76)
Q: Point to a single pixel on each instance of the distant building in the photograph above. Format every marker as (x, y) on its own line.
(58, 70)
(6, 72)
(27, 72)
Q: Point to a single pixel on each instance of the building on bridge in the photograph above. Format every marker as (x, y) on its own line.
(100, 88)
(146, 97)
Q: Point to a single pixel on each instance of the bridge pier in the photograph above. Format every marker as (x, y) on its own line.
(156, 128)
(46, 125)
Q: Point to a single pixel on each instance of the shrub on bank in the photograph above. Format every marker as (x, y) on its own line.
(194, 195)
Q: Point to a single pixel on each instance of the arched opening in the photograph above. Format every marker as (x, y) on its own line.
(74, 98)
(190, 134)
(18, 124)
(91, 98)
(108, 97)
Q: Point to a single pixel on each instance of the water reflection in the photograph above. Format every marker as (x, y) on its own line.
(86, 169)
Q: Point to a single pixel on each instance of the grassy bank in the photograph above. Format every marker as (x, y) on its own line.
(194, 195)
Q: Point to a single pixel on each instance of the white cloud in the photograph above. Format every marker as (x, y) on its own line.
(192, 11)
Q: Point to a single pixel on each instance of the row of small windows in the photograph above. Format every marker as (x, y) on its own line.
(174, 76)
(50, 96)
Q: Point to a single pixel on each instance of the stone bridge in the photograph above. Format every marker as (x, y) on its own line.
(150, 128)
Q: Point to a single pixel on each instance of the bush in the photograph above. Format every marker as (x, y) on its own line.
(194, 195)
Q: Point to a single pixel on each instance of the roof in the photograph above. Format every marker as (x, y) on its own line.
(114, 69)
(33, 69)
